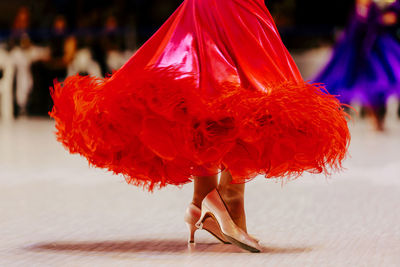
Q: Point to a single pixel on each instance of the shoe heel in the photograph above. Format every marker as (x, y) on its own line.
(204, 211)
(192, 229)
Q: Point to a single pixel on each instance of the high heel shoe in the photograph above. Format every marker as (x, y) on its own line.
(192, 215)
(213, 206)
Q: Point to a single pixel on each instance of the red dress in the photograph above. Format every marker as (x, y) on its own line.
(214, 88)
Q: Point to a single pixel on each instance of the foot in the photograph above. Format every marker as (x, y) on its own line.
(233, 196)
(234, 200)
(213, 207)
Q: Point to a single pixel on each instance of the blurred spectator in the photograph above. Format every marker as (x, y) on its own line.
(19, 35)
(19, 43)
(63, 48)
(391, 18)
(62, 45)
(283, 12)
(112, 38)
(110, 41)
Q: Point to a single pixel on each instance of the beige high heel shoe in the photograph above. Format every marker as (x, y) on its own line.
(214, 207)
(192, 215)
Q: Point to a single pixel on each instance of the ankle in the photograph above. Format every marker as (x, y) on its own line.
(197, 202)
(203, 186)
(232, 193)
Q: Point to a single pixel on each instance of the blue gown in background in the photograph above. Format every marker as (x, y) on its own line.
(365, 64)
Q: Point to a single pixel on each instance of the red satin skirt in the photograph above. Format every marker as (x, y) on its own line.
(214, 88)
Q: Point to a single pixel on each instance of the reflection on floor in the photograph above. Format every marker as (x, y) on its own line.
(56, 211)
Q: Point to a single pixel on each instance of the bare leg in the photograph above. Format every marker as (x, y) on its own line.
(233, 196)
(202, 186)
(378, 114)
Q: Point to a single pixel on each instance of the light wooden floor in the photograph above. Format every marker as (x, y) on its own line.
(55, 211)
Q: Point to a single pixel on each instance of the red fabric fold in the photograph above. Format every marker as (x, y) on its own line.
(213, 88)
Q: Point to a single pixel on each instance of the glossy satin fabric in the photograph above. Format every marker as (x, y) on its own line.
(220, 41)
(214, 88)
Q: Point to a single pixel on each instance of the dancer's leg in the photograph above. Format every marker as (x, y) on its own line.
(233, 196)
(202, 186)
(379, 117)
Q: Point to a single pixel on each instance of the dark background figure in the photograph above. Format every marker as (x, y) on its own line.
(111, 38)
(20, 32)
(62, 50)
(391, 18)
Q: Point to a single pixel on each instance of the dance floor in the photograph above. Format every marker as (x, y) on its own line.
(56, 211)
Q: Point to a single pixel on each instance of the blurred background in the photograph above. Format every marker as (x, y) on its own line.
(55, 211)
(136, 20)
(50, 39)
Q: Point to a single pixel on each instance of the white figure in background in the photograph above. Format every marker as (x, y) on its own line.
(6, 78)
